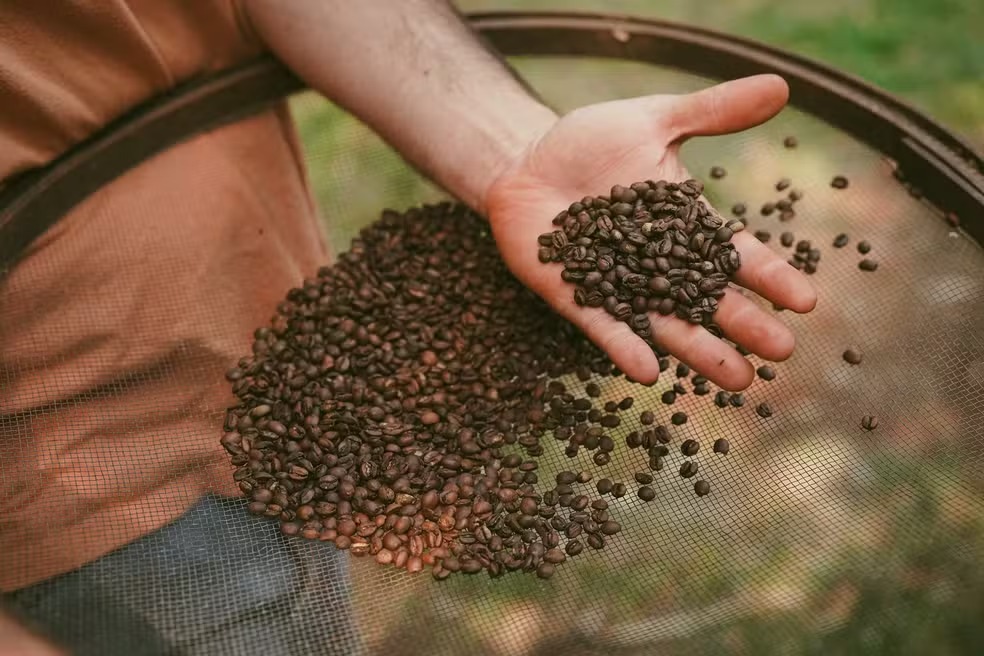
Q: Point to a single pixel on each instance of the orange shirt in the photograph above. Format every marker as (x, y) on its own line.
(117, 326)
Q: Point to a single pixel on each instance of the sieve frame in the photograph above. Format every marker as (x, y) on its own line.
(950, 172)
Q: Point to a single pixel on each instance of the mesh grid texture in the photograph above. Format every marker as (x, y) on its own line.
(817, 537)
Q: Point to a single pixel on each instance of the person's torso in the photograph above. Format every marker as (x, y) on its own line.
(116, 326)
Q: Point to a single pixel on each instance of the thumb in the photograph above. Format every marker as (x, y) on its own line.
(724, 108)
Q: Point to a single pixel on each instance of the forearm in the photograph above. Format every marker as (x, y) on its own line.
(414, 72)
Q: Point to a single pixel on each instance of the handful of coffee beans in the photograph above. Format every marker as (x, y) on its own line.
(649, 247)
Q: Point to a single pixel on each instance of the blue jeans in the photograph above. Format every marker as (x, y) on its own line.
(216, 581)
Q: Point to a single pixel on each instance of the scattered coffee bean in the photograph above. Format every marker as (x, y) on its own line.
(647, 417)
(604, 485)
(739, 209)
(869, 422)
(853, 355)
(647, 493)
(839, 182)
(840, 241)
(864, 247)
(619, 490)
(766, 373)
(722, 446)
(718, 172)
(643, 478)
(795, 195)
(867, 265)
(668, 397)
(786, 239)
(702, 488)
(688, 469)
(678, 418)
(737, 400)
(721, 399)
(763, 235)
(689, 447)
(790, 142)
(764, 410)
(767, 209)
(783, 184)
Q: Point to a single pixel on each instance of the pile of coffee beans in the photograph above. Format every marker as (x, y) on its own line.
(397, 402)
(648, 247)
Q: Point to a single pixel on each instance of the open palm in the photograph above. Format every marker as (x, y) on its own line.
(625, 141)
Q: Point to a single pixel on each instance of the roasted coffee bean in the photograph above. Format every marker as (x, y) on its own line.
(795, 195)
(643, 478)
(610, 421)
(722, 446)
(619, 490)
(702, 488)
(867, 265)
(566, 477)
(764, 410)
(767, 209)
(840, 241)
(646, 493)
(786, 239)
(604, 485)
(737, 400)
(682, 370)
(647, 417)
(601, 458)
(718, 172)
(864, 247)
(689, 447)
(783, 184)
(610, 527)
(790, 142)
(766, 373)
(688, 469)
(574, 547)
(721, 399)
(668, 397)
(739, 209)
(853, 355)
(839, 182)
(763, 235)
(596, 541)
(678, 418)
(869, 422)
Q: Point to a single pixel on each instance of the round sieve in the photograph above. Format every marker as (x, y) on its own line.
(818, 536)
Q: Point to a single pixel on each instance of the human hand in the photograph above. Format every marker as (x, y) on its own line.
(620, 142)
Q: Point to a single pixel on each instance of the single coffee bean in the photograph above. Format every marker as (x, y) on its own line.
(737, 400)
(592, 390)
(689, 447)
(738, 209)
(682, 370)
(565, 477)
(722, 446)
(763, 235)
(688, 469)
(795, 195)
(786, 239)
(643, 478)
(678, 418)
(867, 265)
(864, 247)
(718, 172)
(596, 541)
(647, 493)
(702, 488)
(619, 490)
(783, 184)
(766, 373)
(721, 399)
(647, 417)
(604, 485)
(668, 397)
(790, 142)
(839, 182)
(768, 208)
(764, 410)
(840, 241)
(869, 422)
(853, 355)
(574, 547)
(601, 458)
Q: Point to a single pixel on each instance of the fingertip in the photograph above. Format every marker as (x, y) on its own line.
(737, 379)
(639, 363)
(805, 298)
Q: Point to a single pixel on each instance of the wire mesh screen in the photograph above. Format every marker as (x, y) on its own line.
(817, 535)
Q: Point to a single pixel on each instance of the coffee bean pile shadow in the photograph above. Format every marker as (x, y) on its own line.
(649, 247)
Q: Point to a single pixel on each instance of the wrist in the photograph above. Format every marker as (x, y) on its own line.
(510, 143)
